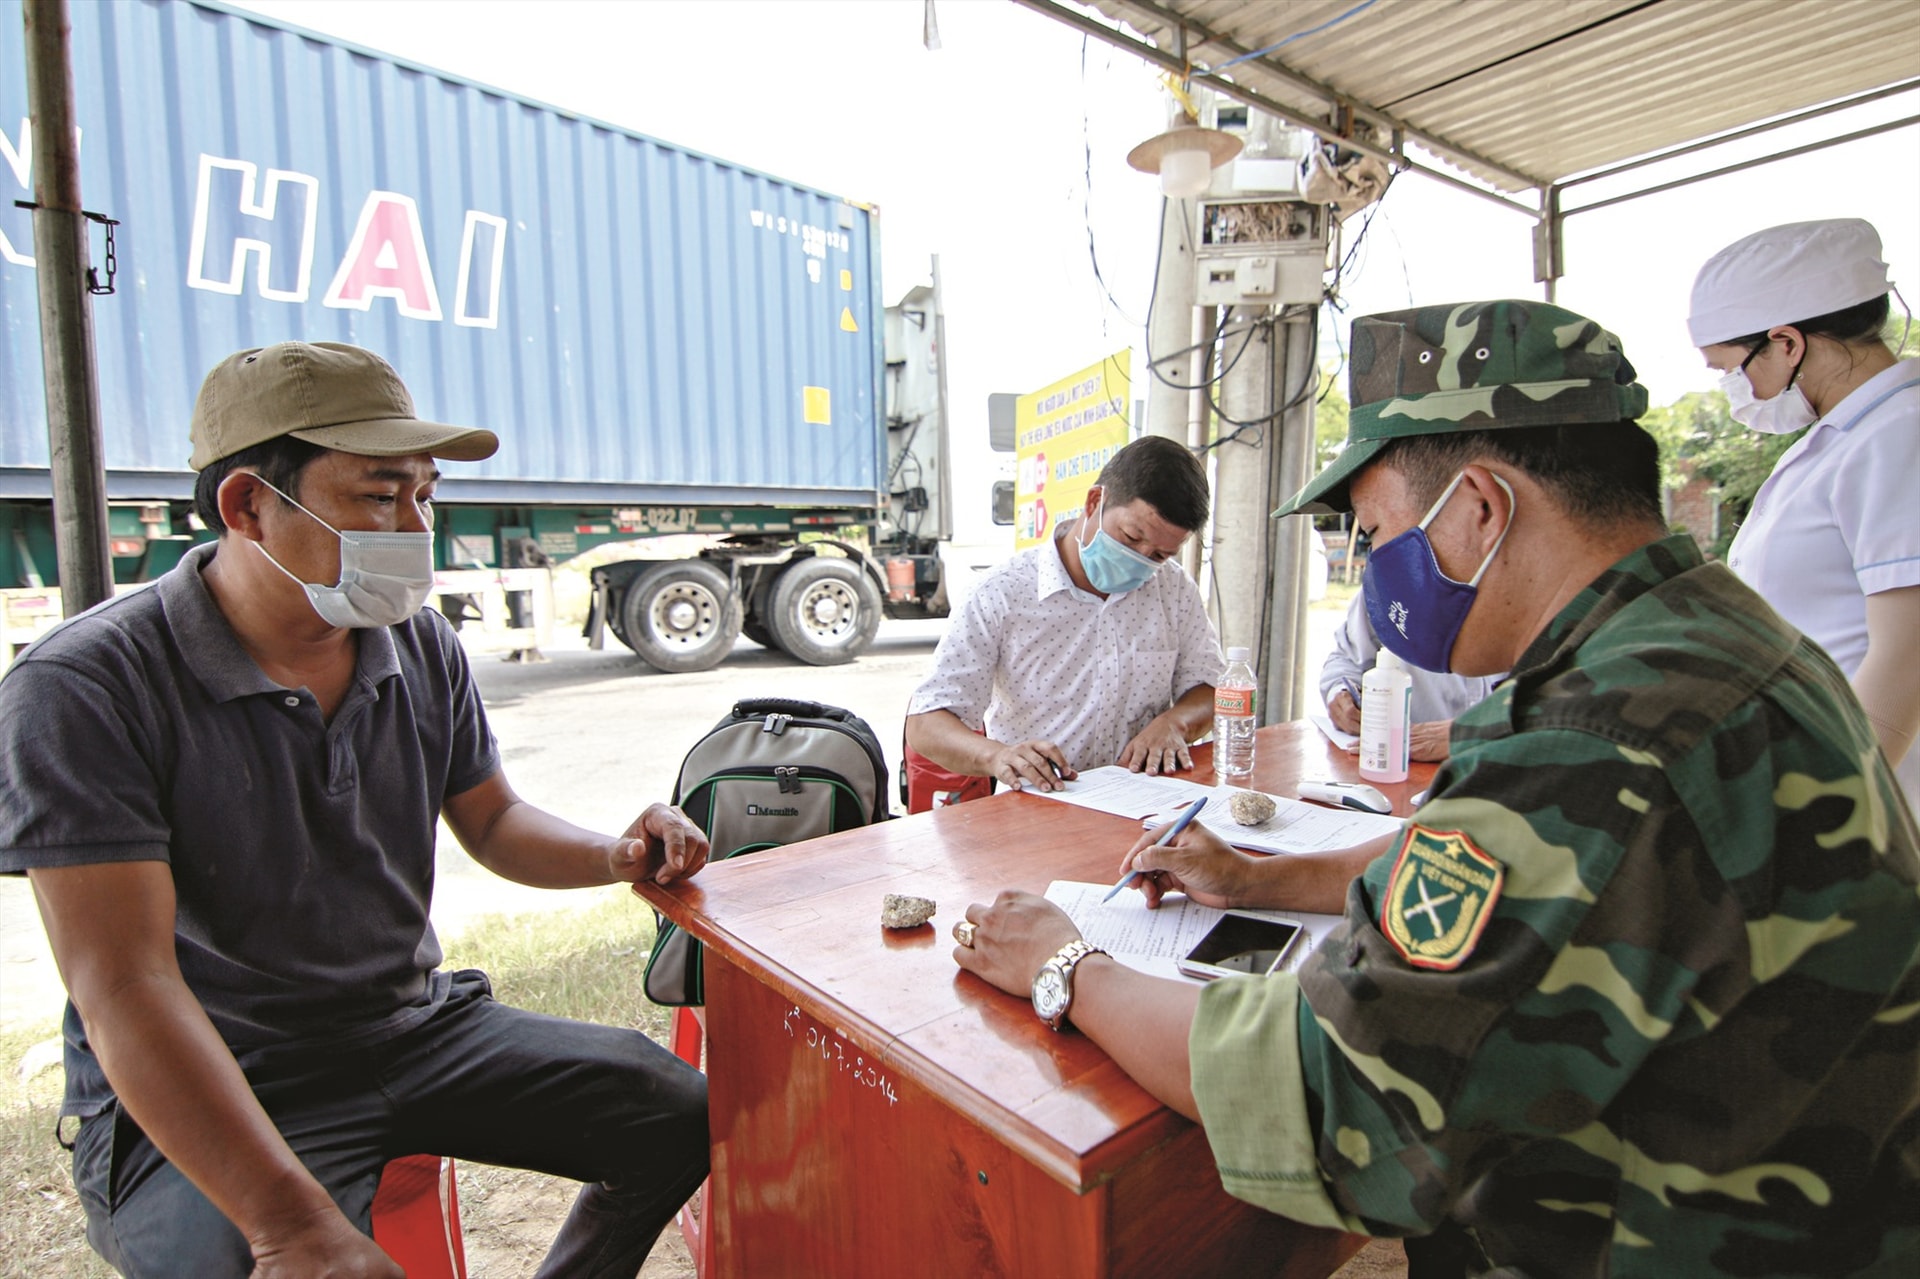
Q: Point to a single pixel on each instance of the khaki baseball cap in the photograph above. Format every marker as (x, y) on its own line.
(326, 393)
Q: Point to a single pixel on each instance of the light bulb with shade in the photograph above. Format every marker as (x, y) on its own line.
(1185, 172)
(1185, 157)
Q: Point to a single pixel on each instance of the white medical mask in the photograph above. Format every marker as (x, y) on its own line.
(384, 577)
(1781, 414)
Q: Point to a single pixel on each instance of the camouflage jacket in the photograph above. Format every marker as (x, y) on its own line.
(1638, 992)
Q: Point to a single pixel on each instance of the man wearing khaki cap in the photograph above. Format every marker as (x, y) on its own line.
(1637, 990)
(225, 789)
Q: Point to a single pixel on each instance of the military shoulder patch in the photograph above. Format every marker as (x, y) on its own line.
(1439, 898)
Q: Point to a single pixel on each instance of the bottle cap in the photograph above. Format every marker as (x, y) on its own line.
(1388, 660)
(1239, 653)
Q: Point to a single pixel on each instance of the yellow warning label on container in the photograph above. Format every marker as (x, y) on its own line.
(847, 323)
(846, 280)
(816, 405)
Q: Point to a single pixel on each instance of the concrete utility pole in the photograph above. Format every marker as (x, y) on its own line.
(1177, 363)
(1256, 558)
(66, 316)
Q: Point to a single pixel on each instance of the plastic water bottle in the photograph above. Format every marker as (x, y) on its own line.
(1386, 719)
(1233, 720)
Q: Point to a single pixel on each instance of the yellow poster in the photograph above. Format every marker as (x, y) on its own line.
(1064, 434)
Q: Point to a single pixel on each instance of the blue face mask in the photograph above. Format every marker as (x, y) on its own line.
(1113, 568)
(1417, 610)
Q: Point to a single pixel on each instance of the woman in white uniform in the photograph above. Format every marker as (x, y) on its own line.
(1792, 318)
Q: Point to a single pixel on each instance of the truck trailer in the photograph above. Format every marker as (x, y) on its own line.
(666, 343)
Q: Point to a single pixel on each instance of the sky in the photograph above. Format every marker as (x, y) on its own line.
(1004, 152)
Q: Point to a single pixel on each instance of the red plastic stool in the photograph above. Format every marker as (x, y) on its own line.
(688, 1039)
(930, 786)
(416, 1217)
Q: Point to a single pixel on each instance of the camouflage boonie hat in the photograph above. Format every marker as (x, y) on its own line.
(1475, 366)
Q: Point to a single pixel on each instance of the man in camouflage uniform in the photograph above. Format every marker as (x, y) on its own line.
(1637, 991)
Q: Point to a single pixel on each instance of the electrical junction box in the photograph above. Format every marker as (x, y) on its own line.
(1260, 252)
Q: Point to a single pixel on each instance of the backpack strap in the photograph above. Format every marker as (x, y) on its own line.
(793, 708)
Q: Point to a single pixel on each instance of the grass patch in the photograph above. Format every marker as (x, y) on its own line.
(42, 1230)
(585, 963)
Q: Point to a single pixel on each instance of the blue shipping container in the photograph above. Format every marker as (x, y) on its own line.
(640, 323)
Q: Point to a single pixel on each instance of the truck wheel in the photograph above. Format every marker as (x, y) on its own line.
(824, 611)
(681, 615)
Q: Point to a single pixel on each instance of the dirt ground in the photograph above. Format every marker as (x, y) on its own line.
(508, 1218)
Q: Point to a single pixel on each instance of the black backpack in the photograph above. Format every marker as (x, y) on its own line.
(774, 771)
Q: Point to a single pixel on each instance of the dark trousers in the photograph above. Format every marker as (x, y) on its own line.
(477, 1081)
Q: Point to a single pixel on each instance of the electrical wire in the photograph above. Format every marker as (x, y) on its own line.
(1298, 35)
(1333, 379)
(1308, 380)
(1086, 192)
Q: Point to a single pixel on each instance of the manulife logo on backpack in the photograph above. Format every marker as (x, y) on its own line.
(761, 810)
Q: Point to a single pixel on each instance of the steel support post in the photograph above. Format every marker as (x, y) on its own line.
(1283, 677)
(66, 316)
(1549, 234)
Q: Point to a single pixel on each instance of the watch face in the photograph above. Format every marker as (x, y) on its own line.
(1050, 992)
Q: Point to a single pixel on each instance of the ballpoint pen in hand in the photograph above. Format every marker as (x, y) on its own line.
(1166, 837)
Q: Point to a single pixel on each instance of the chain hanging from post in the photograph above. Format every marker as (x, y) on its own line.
(113, 262)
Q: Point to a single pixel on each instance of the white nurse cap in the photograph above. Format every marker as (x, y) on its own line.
(1786, 274)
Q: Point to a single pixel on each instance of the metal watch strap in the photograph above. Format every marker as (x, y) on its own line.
(1066, 959)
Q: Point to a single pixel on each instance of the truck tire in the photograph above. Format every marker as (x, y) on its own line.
(681, 615)
(823, 611)
(756, 630)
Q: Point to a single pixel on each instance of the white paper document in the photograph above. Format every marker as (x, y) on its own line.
(1153, 940)
(1349, 742)
(1295, 827)
(1118, 790)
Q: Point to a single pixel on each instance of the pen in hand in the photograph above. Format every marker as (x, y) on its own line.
(1352, 692)
(1166, 837)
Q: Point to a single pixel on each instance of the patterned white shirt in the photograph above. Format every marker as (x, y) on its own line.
(1032, 656)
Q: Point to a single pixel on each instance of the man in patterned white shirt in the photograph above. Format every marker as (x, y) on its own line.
(1091, 649)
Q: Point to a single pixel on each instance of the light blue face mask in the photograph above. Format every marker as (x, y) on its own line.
(1111, 566)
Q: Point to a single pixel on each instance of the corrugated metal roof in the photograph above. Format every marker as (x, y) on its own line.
(1525, 92)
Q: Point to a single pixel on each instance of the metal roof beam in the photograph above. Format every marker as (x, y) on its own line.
(1721, 172)
(1319, 128)
(1675, 153)
(1325, 92)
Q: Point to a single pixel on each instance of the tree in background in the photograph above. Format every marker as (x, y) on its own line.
(1329, 419)
(1698, 437)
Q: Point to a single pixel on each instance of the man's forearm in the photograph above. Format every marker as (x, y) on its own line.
(1313, 882)
(180, 1083)
(1193, 712)
(1142, 1022)
(944, 738)
(528, 845)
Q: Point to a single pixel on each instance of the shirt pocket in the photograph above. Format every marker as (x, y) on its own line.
(1149, 676)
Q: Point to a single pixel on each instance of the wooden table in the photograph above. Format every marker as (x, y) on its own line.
(877, 1111)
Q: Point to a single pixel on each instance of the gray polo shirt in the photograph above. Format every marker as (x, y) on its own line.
(302, 851)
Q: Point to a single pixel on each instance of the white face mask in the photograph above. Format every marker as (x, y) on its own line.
(384, 577)
(1783, 414)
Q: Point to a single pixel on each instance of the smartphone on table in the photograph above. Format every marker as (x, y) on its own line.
(1238, 945)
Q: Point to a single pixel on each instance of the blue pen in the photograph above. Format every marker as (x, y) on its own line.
(1180, 823)
(1352, 692)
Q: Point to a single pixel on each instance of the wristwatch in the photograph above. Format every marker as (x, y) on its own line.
(1053, 984)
